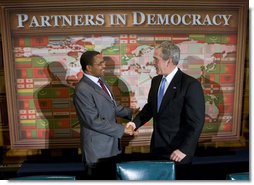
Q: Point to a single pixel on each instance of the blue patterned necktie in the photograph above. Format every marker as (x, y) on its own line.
(161, 93)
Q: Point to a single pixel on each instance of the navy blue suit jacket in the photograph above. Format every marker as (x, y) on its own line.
(180, 120)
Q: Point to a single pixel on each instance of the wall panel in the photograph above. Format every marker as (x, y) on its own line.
(43, 46)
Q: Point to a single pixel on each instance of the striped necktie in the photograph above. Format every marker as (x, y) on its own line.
(103, 87)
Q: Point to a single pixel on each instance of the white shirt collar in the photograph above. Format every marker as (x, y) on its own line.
(171, 75)
(93, 78)
(169, 78)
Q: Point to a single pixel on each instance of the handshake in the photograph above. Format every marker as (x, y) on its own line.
(129, 129)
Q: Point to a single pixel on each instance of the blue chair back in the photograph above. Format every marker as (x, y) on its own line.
(146, 170)
(45, 177)
(239, 176)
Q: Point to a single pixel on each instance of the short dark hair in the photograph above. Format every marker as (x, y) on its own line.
(87, 58)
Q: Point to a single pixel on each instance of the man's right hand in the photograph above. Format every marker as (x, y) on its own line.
(130, 129)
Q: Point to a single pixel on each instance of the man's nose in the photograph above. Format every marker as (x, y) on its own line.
(103, 65)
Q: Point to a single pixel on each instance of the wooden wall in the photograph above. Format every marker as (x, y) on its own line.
(8, 10)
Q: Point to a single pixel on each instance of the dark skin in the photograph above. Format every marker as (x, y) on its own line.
(97, 69)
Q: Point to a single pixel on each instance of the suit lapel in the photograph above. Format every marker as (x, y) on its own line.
(171, 91)
(106, 84)
(97, 88)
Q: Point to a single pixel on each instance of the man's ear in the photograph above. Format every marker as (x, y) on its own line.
(88, 68)
(170, 60)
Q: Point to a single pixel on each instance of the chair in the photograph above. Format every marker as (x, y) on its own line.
(45, 177)
(239, 176)
(145, 170)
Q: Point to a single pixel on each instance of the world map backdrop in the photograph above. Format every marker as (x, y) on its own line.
(48, 68)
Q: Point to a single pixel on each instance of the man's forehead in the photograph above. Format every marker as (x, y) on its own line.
(157, 51)
(99, 56)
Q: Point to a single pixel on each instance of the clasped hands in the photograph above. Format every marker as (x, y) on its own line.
(130, 129)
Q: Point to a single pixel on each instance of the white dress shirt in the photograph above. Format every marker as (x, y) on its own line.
(169, 78)
(95, 80)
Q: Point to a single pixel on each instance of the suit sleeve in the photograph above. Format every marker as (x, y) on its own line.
(89, 115)
(123, 112)
(194, 110)
(147, 111)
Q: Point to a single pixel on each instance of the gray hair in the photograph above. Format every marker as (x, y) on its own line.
(170, 50)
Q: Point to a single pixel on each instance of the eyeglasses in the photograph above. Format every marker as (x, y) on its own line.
(100, 63)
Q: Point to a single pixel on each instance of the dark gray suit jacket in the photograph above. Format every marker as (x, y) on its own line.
(180, 120)
(97, 114)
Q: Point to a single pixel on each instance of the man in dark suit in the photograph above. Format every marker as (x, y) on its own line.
(97, 111)
(176, 104)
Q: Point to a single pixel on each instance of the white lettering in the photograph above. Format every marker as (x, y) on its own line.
(184, 19)
(34, 22)
(21, 19)
(174, 17)
(89, 20)
(151, 19)
(56, 19)
(207, 21)
(163, 20)
(78, 20)
(196, 19)
(117, 19)
(215, 20)
(45, 21)
(226, 19)
(67, 20)
(100, 19)
(138, 18)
